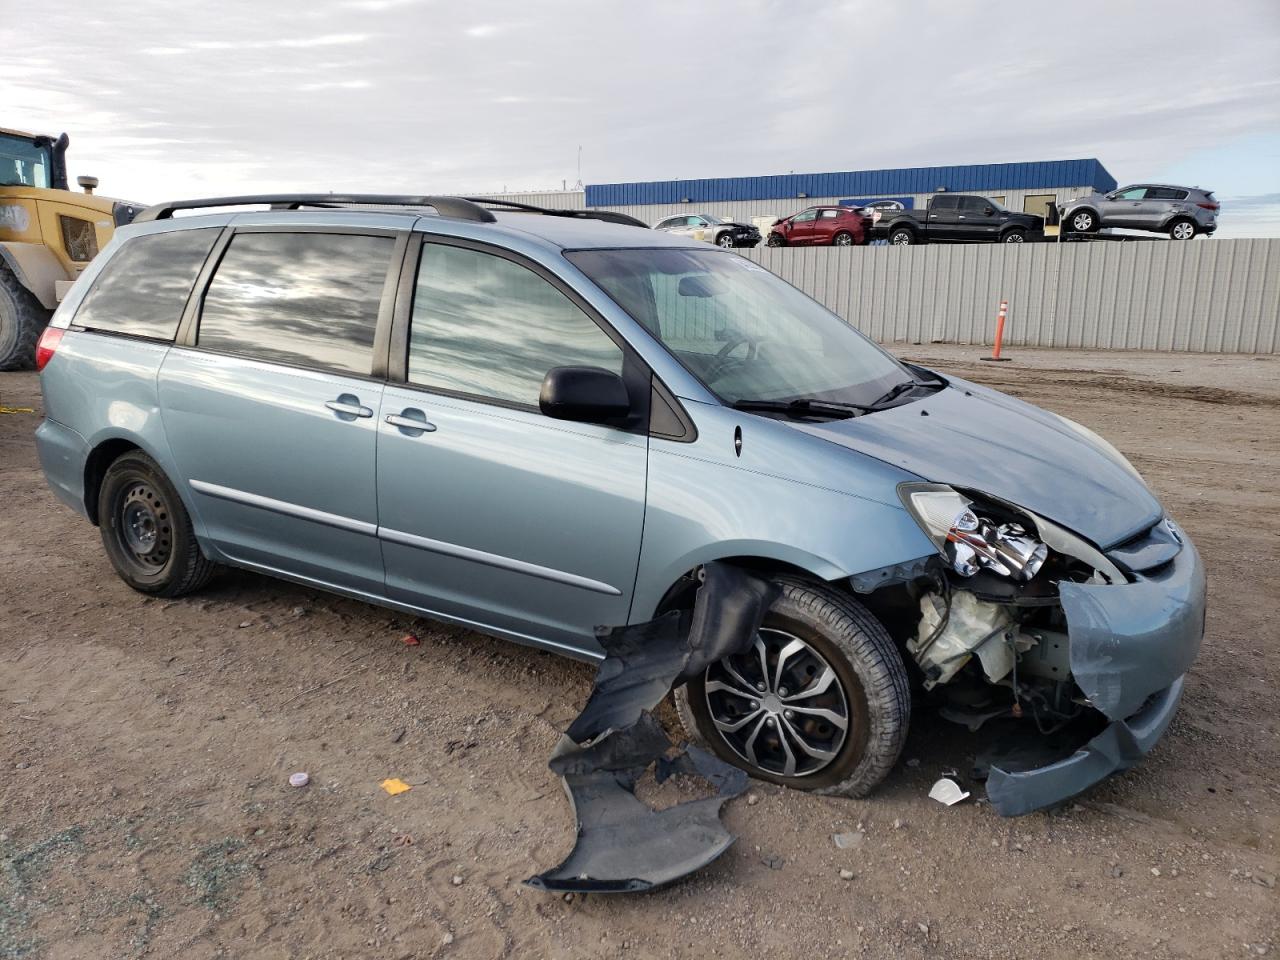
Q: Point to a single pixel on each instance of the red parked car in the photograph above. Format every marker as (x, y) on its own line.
(821, 226)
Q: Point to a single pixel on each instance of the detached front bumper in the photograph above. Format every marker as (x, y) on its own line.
(1131, 645)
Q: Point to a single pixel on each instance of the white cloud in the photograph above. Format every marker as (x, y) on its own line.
(386, 95)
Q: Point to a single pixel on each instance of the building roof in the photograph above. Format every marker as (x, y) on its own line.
(860, 183)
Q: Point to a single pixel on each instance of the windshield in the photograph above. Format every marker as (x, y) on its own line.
(745, 333)
(710, 219)
(23, 164)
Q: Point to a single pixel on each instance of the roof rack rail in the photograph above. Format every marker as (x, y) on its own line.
(444, 206)
(608, 216)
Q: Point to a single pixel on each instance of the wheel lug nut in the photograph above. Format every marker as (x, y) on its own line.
(782, 691)
(769, 721)
(755, 705)
(788, 714)
(760, 685)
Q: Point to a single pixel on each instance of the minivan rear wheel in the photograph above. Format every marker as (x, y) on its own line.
(819, 702)
(147, 531)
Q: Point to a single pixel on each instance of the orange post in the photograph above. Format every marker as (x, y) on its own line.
(1000, 318)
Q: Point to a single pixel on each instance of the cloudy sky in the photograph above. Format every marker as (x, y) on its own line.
(174, 99)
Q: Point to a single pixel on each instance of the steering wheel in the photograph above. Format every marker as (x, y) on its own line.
(722, 355)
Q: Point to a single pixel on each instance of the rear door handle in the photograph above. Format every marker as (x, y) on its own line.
(348, 406)
(416, 425)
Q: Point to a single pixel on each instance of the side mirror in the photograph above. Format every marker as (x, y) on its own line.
(583, 394)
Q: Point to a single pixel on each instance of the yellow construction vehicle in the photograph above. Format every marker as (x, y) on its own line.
(48, 235)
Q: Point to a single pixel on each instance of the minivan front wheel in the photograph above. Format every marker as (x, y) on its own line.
(146, 530)
(819, 701)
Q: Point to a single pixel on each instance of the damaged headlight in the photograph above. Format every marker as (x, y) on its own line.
(969, 540)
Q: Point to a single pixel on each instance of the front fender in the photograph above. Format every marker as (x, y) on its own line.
(704, 503)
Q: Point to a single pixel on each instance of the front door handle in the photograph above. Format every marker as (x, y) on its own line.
(415, 425)
(348, 406)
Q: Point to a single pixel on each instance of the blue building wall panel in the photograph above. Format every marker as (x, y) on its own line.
(969, 178)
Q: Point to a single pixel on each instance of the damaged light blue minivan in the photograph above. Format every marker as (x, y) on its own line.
(538, 422)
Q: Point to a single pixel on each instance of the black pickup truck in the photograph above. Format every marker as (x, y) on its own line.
(959, 217)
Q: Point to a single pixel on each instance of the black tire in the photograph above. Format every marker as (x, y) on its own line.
(146, 530)
(725, 240)
(871, 675)
(1083, 220)
(902, 236)
(1014, 235)
(776, 240)
(22, 320)
(842, 239)
(1182, 229)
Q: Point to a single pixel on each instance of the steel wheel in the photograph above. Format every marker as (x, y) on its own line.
(1183, 230)
(1082, 222)
(780, 706)
(724, 240)
(144, 530)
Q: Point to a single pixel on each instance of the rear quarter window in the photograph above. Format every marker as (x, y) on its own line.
(143, 289)
(305, 299)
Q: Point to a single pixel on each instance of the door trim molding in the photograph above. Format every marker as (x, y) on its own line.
(496, 560)
(367, 529)
(284, 507)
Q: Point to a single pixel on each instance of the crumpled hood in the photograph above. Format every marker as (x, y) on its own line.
(970, 436)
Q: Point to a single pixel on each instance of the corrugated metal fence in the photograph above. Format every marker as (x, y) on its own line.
(1213, 296)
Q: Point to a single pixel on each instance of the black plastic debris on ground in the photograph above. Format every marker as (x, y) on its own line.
(623, 845)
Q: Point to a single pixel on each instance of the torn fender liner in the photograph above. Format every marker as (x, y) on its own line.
(1131, 645)
(622, 844)
(645, 660)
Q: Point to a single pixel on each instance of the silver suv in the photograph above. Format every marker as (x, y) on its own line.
(537, 424)
(1181, 212)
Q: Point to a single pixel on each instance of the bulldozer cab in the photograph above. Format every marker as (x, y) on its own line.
(48, 235)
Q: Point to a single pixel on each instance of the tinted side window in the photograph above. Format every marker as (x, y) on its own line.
(144, 287)
(485, 326)
(945, 203)
(976, 204)
(303, 298)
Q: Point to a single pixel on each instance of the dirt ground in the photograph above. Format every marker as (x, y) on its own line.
(145, 748)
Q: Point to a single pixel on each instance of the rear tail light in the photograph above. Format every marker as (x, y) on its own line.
(46, 345)
(1207, 206)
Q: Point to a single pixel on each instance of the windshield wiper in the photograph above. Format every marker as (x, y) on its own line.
(905, 387)
(895, 392)
(804, 407)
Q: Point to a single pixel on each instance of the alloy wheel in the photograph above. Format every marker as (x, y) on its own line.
(724, 240)
(1183, 231)
(1082, 222)
(780, 706)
